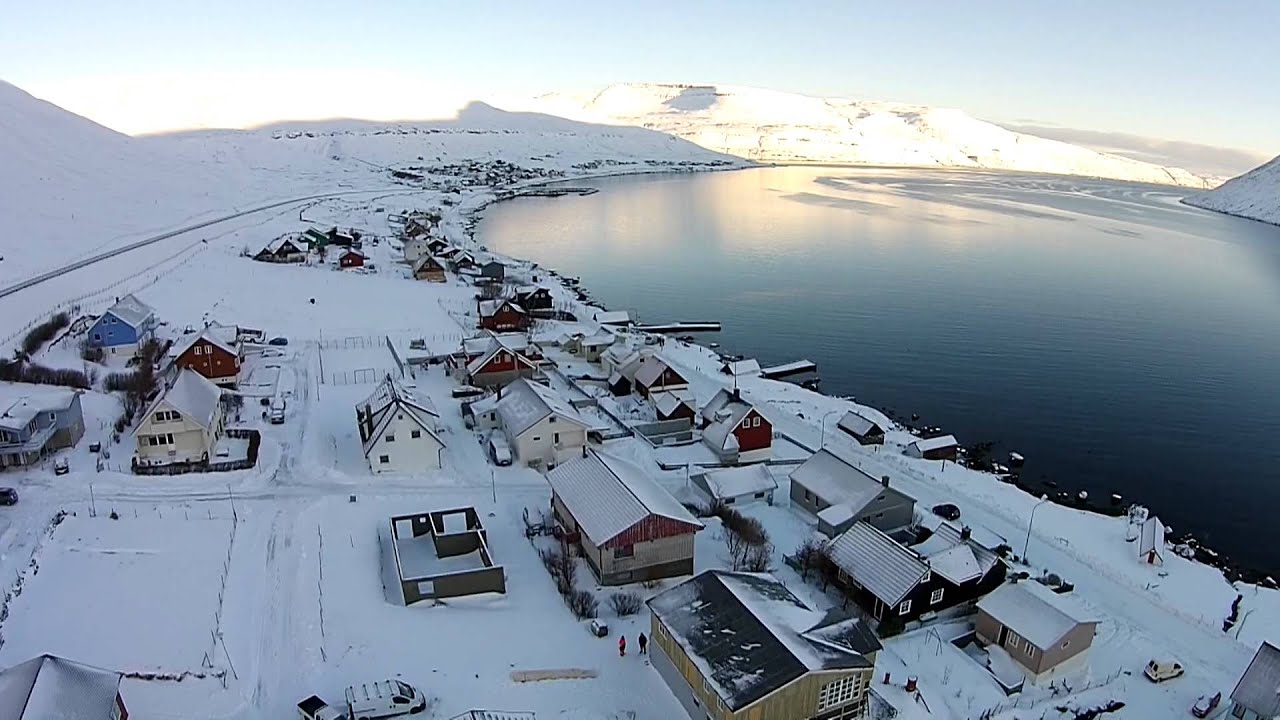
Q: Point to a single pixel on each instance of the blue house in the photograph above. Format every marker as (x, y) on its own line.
(124, 328)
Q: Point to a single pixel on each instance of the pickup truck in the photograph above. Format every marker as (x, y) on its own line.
(366, 701)
(313, 708)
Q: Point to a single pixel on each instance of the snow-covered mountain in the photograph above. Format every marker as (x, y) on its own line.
(771, 126)
(1256, 194)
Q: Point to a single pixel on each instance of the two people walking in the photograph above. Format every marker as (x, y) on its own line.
(642, 641)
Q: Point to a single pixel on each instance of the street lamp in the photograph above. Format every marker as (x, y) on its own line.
(1026, 545)
(823, 443)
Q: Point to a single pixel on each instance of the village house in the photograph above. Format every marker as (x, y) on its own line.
(493, 271)
(658, 376)
(893, 582)
(398, 430)
(1047, 634)
(735, 430)
(612, 317)
(463, 260)
(591, 347)
(629, 527)
(315, 239)
(124, 327)
(740, 646)
(841, 494)
(428, 268)
(534, 297)
(351, 259)
(674, 405)
(865, 425)
(737, 485)
(212, 352)
(183, 425)
(938, 448)
(541, 427)
(49, 687)
(495, 359)
(415, 247)
(1257, 695)
(343, 238)
(624, 363)
(281, 250)
(502, 316)
(749, 367)
(36, 420)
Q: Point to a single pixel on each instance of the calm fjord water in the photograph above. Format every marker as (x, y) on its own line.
(1121, 341)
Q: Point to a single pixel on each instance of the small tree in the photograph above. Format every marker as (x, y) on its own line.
(582, 604)
(758, 558)
(625, 603)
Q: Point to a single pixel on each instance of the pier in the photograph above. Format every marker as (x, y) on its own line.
(787, 369)
(675, 327)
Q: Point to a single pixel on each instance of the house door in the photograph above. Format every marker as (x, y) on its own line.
(1004, 635)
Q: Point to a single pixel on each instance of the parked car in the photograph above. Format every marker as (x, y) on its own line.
(1206, 704)
(383, 698)
(1161, 670)
(61, 466)
(466, 391)
(599, 628)
(8, 496)
(277, 411)
(947, 511)
(499, 450)
(278, 341)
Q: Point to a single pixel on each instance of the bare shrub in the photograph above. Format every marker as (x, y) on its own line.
(625, 603)
(44, 332)
(582, 604)
(758, 558)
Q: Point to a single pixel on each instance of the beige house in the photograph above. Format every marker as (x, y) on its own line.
(1046, 634)
(741, 646)
(541, 427)
(398, 430)
(629, 527)
(183, 425)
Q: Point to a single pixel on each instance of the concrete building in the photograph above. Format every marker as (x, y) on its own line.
(629, 527)
(739, 646)
(183, 425)
(1046, 634)
(441, 554)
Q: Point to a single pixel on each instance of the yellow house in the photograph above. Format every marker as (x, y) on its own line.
(740, 646)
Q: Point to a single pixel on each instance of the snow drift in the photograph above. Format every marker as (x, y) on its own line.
(1255, 194)
(771, 126)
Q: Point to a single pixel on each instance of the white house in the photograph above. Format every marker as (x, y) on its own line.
(542, 428)
(183, 425)
(398, 430)
(738, 485)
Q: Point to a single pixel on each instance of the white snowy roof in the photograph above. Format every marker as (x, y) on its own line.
(491, 307)
(389, 397)
(1035, 612)
(425, 260)
(745, 480)
(927, 444)
(955, 558)
(836, 481)
(724, 413)
(496, 345)
(20, 402)
(52, 688)
(1152, 537)
(877, 562)
(218, 338)
(612, 317)
(667, 401)
(742, 368)
(651, 371)
(607, 495)
(1259, 686)
(524, 404)
(601, 339)
(194, 396)
(131, 310)
(862, 422)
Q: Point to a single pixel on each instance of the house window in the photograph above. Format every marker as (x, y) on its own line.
(384, 459)
(391, 438)
(807, 496)
(1237, 711)
(837, 692)
(729, 500)
(415, 434)
(936, 597)
(1065, 643)
(97, 337)
(557, 437)
(536, 438)
(759, 495)
(1013, 641)
(928, 574)
(551, 419)
(905, 607)
(624, 551)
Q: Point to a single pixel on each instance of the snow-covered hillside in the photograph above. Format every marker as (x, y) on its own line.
(770, 126)
(1256, 194)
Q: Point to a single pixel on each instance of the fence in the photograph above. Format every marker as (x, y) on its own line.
(361, 376)
(1028, 699)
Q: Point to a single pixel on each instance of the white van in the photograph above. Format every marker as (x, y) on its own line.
(1161, 670)
(277, 411)
(384, 698)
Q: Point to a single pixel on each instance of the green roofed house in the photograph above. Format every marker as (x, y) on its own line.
(315, 238)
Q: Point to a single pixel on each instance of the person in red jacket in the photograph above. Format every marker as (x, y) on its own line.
(622, 646)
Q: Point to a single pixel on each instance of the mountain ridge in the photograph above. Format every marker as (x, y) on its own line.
(1254, 195)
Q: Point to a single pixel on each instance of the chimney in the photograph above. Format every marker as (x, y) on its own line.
(884, 480)
(584, 451)
(965, 533)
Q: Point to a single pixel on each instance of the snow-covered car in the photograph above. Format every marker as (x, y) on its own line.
(61, 466)
(313, 708)
(1206, 704)
(499, 450)
(1161, 670)
(276, 412)
(384, 698)
(599, 628)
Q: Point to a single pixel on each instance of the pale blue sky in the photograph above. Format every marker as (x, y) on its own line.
(1197, 71)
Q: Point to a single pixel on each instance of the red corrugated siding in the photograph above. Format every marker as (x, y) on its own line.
(654, 527)
(754, 438)
(501, 362)
(504, 319)
(212, 362)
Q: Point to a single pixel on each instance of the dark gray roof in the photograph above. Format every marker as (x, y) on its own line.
(878, 562)
(1259, 687)
(750, 636)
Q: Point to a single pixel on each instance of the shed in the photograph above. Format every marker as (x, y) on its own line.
(612, 317)
(749, 367)
(865, 425)
(738, 485)
(493, 270)
(351, 258)
(1151, 541)
(943, 447)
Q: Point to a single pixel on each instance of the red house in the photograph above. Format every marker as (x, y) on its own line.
(499, 364)
(674, 405)
(502, 316)
(351, 258)
(211, 355)
(735, 429)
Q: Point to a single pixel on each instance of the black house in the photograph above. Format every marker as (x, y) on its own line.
(535, 298)
(891, 580)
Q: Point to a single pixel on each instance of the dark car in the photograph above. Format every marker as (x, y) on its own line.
(8, 496)
(947, 511)
(278, 341)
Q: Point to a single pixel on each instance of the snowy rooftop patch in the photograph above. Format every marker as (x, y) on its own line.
(668, 401)
(1259, 687)
(745, 480)
(723, 413)
(524, 404)
(836, 481)
(21, 402)
(749, 635)
(52, 688)
(194, 396)
(864, 421)
(612, 317)
(878, 562)
(938, 443)
(131, 310)
(1035, 612)
(607, 495)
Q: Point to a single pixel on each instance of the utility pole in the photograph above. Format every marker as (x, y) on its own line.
(93, 505)
(1026, 545)
(493, 485)
(234, 517)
